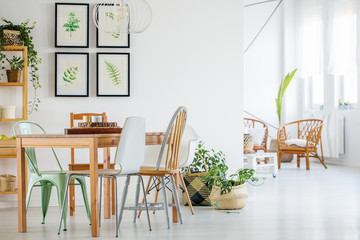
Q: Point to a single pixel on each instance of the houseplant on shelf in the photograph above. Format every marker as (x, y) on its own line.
(16, 65)
(33, 60)
(229, 193)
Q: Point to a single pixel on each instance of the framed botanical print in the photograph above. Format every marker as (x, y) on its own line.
(118, 37)
(72, 25)
(113, 74)
(71, 74)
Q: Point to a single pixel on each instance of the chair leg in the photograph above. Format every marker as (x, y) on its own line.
(322, 155)
(85, 197)
(187, 195)
(279, 159)
(146, 204)
(176, 197)
(113, 194)
(64, 203)
(123, 199)
(137, 193)
(28, 194)
(307, 161)
(116, 206)
(298, 160)
(166, 206)
(46, 187)
(72, 198)
(147, 189)
(157, 192)
(100, 191)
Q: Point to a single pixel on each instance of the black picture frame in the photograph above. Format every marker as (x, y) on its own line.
(60, 39)
(104, 87)
(60, 90)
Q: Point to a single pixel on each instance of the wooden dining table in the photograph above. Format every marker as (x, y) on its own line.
(91, 141)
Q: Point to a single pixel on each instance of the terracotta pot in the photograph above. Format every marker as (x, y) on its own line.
(236, 199)
(13, 75)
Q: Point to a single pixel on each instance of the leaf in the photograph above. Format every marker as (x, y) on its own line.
(113, 73)
(70, 74)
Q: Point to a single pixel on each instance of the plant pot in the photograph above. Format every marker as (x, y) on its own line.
(236, 199)
(274, 148)
(13, 75)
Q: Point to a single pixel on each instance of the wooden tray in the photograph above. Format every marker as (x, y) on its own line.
(93, 130)
(97, 124)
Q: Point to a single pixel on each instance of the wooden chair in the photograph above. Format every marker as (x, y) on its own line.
(80, 166)
(253, 123)
(309, 130)
(168, 164)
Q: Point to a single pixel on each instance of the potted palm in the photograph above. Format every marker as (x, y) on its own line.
(229, 193)
(16, 65)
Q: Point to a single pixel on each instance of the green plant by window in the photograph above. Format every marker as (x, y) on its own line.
(16, 63)
(72, 23)
(283, 86)
(33, 60)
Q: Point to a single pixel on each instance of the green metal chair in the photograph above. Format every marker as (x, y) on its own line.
(47, 179)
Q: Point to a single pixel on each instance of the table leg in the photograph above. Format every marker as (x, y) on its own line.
(174, 212)
(107, 209)
(94, 193)
(21, 175)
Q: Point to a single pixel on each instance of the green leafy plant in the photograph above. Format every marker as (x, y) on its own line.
(33, 60)
(283, 86)
(72, 23)
(70, 74)
(211, 157)
(16, 63)
(113, 72)
(217, 177)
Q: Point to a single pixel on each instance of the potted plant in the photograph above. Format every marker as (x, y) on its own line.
(279, 102)
(16, 65)
(24, 37)
(229, 193)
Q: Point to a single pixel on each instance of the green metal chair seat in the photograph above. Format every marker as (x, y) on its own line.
(47, 179)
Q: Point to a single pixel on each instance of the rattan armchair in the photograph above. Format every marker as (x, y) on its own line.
(309, 130)
(253, 123)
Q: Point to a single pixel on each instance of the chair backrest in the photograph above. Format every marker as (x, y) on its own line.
(131, 149)
(188, 145)
(253, 123)
(25, 127)
(79, 116)
(172, 138)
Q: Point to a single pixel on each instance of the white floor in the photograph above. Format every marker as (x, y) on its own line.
(298, 204)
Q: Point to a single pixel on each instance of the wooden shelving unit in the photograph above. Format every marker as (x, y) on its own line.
(8, 147)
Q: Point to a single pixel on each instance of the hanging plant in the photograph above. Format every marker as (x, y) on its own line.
(33, 59)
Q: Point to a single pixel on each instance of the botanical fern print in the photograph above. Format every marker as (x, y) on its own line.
(113, 73)
(70, 74)
(115, 34)
(72, 23)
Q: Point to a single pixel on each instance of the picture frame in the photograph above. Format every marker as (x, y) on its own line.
(120, 39)
(71, 74)
(72, 25)
(113, 74)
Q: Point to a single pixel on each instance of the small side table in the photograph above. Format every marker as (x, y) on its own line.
(271, 165)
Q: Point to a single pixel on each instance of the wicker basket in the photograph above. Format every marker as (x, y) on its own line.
(7, 183)
(12, 38)
(236, 199)
(248, 143)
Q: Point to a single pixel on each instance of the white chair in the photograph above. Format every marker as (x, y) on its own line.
(188, 145)
(129, 155)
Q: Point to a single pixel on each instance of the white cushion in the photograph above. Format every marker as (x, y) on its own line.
(258, 135)
(297, 142)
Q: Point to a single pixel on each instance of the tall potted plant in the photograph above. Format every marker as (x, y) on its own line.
(26, 39)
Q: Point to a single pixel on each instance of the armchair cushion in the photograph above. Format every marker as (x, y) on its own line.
(297, 142)
(258, 135)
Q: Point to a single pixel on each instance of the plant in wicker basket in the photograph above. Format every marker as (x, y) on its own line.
(230, 193)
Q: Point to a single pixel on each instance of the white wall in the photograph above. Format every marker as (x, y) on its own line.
(191, 55)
